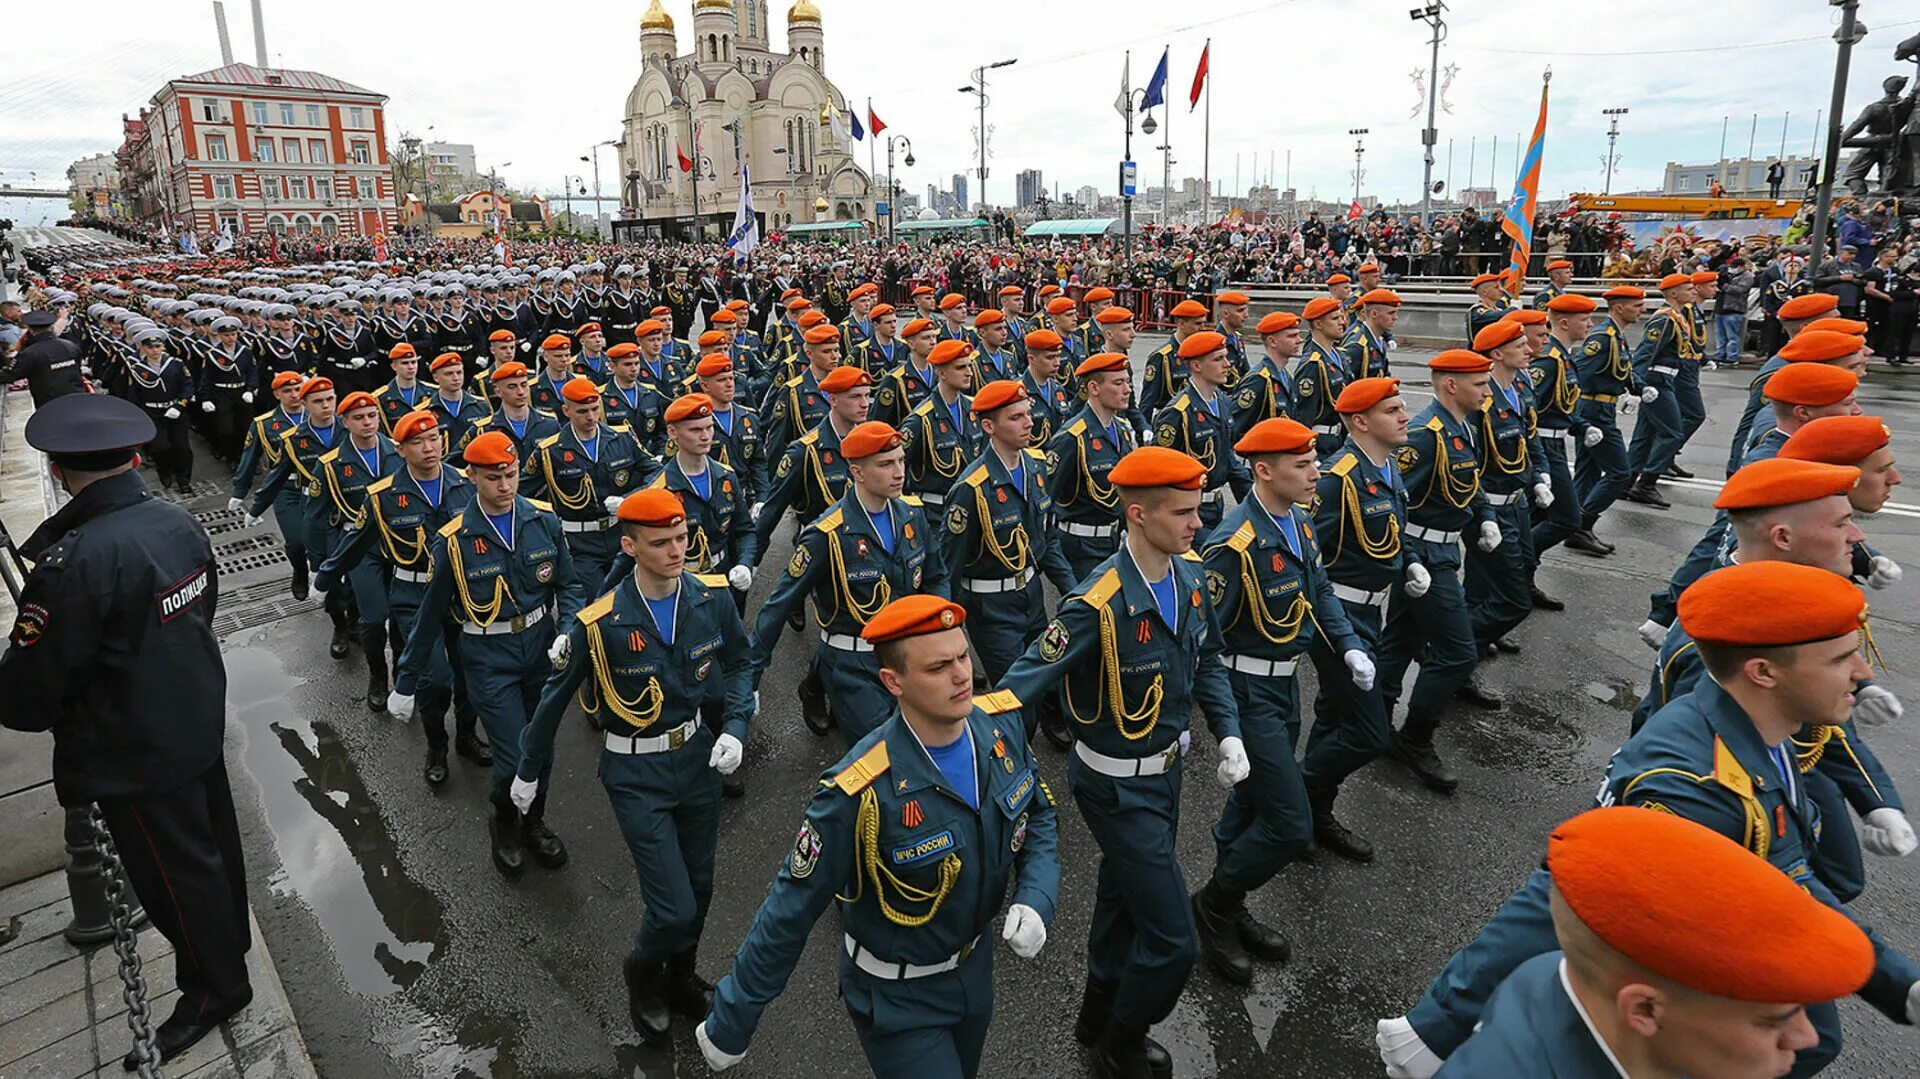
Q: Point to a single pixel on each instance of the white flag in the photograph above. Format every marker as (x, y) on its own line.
(746, 227)
(1124, 103)
(225, 243)
(837, 124)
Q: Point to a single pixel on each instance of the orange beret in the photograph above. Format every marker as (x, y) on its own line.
(356, 399)
(1812, 305)
(287, 378)
(500, 335)
(1276, 321)
(997, 394)
(1201, 344)
(1339, 279)
(880, 310)
(1189, 309)
(445, 359)
(1059, 305)
(402, 351)
(1319, 307)
(1840, 325)
(719, 363)
(1277, 435)
(490, 449)
(1111, 315)
(1049, 289)
(725, 316)
(1011, 290)
(1619, 293)
(1658, 888)
(690, 407)
(1779, 481)
(315, 385)
(661, 309)
(842, 379)
(1486, 278)
(557, 341)
(798, 303)
(1237, 298)
(913, 616)
(1837, 440)
(820, 335)
(1380, 295)
(1460, 361)
(1704, 277)
(863, 290)
(587, 328)
(712, 339)
(734, 307)
(510, 369)
(1095, 295)
(1560, 264)
(989, 317)
(1770, 605)
(809, 319)
(1102, 361)
(1526, 316)
(867, 439)
(652, 507)
(580, 390)
(622, 350)
(1158, 466)
(915, 327)
(1362, 394)
(788, 294)
(1368, 267)
(1493, 335)
(1568, 303)
(414, 423)
(649, 328)
(948, 351)
(952, 300)
(1811, 384)
(1044, 340)
(1674, 280)
(922, 290)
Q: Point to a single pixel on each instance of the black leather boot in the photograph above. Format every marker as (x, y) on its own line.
(1122, 1051)
(299, 584)
(1412, 746)
(342, 641)
(688, 993)
(1329, 833)
(1544, 602)
(813, 704)
(646, 1002)
(373, 642)
(1096, 1006)
(538, 838)
(508, 856)
(1478, 695)
(467, 743)
(433, 720)
(1219, 939)
(1261, 940)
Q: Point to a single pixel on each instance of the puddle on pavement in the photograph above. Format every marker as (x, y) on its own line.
(1620, 696)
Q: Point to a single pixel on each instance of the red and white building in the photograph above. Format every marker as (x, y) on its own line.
(262, 149)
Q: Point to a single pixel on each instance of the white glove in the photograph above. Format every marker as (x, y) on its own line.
(558, 652)
(740, 577)
(206, 406)
(255, 518)
(400, 705)
(1653, 633)
(1885, 572)
(172, 413)
(1629, 405)
(1490, 536)
(717, 1059)
(1360, 665)
(234, 505)
(613, 504)
(1885, 832)
(1593, 437)
(727, 754)
(358, 362)
(1233, 762)
(1543, 494)
(1418, 580)
(523, 792)
(1649, 395)
(754, 510)
(247, 396)
(1405, 1055)
(1026, 934)
(1875, 705)
(1913, 1003)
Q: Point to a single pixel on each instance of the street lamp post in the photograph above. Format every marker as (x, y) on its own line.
(1433, 16)
(1613, 135)
(1851, 31)
(1359, 153)
(1147, 127)
(979, 90)
(595, 151)
(893, 193)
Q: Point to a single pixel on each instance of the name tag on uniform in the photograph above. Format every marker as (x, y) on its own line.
(936, 844)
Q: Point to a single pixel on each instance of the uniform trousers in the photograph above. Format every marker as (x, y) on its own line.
(1600, 472)
(227, 424)
(1085, 553)
(505, 673)
(1266, 823)
(1837, 858)
(1003, 624)
(1499, 585)
(171, 451)
(1657, 435)
(1693, 408)
(668, 808)
(1351, 726)
(1562, 519)
(855, 697)
(928, 1028)
(1435, 629)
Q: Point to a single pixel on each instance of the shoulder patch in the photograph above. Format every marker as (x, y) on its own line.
(1344, 465)
(379, 485)
(1038, 455)
(912, 500)
(1103, 590)
(809, 438)
(550, 440)
(544, 507)
(829, 520)
(452, 528)
(712, 580)
(859, 775)
(993, 704)
(598, 609)
(977, 477)
(1436, 424)
(1242, 537)
(1727, 771)
(1078, 426)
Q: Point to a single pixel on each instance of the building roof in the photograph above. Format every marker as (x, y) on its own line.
(446, 211)
(248, 75)
(1081, 226)
(526, 210)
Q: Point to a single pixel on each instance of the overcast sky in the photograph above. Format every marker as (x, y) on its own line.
(536, 85)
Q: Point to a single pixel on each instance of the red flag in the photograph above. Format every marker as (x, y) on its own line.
(1199, 79)
(873, 122)
(686, 163)
(1353, 212)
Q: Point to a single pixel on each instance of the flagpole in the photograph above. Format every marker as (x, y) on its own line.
(870, 174)
(1206, 143)
(1166, 149)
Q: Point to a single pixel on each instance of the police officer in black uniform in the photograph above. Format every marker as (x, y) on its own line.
(113, 651)
(50, 363)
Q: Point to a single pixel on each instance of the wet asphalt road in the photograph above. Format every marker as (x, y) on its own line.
(405, 954)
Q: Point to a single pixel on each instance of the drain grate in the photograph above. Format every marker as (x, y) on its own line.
(250, 605)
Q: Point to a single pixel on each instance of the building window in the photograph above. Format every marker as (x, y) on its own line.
(329, 225)
(259, 112)
(361, 154)
(313, 116)
(368, 188)
(223, 187)
(323, 188)
(216, 147)
(356, 117)
(209, 110)
(1685, 182)
(302, 224)
(264, 150)
(292, 148)
(286, 114)
(297, 186)
(230, 224)
(276, 223)
(317, 151)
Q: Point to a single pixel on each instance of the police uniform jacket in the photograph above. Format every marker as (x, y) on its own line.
(939, 439)
(1440, 470)
(399, 525)
(1078, 461)
(811, 477)
(719, 530)
(1532, 1027)
(1272, 599)
(578, 483)
(1506, 434)
(263, 444)
(998, 529)
(1203, 430)
(1318, 378)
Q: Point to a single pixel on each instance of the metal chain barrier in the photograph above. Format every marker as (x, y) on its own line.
(133, 984)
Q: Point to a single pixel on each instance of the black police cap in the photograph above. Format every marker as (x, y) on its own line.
(40, 320)
(92, 431)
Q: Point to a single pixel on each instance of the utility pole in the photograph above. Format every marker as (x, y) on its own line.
(1850, 32)
(1613, 135)
(979, 89)
(1128, 182)
(1429, 137)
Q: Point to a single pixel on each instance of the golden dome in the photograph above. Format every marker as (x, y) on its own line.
(803, 12)
(713, 5)
(656, 18)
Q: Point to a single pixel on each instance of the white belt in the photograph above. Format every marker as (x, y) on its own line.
(659, 743)
(894, 972)
(513, 625)
(986, 586)
(932, 499)
(1355, 595)
(1259, 668)
(586, 526)
(1074, 528)
(1432, 535)
(1208, 498)
(1326, 428)
(1128, 767)
(411, 576)
(846, 642)
(1666, 370)
(1507, 499)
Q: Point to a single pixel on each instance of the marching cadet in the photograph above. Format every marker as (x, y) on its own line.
(900, 389)
(857, 328)
(674, 350)
(362, 458)
(1063, 318)
(1360, 513)
(1091, 339)
(1013, 308)
(1664, 349)
(1499, 585)
(264, 443)
(719, 529)
(1559, 280)
(285, 346)
(1320, 375)
(1796, 314)
(403, 393)
(1536, 332)
(878, 354)
(556, 370)
(225, 388)
(299, 463)
(516, 417)
(999, 538)
(1165, 372)
(1369, 339)
(1136, 646)
(1340, 288)
(159, 383)
(502, 347)
(783, 337)
(629, 401)
(1273, 600)
(1693, 409)
(834, 295)
(1556, 403)
(1491, 303)
(404, 510)
(992, 359)
(1198, 422)
(1440, 470)
(1080, 459)
(743, 346)
(349, 346)
(812, 473)
(926, 302)
(398, 323)
(663, 646)
(1605, 371)
(953, 319)
(917, 832)
(499, 567)
(458, 329)
(796, 405)
(1367, 277)
(449, 400)
(623, 305)
(1267, 390)
(1046, 391)
(585, 470)
(940, 434)
(736, 429)
(661, 370)
(1117, 331)
(868, 548)
(1230, 311)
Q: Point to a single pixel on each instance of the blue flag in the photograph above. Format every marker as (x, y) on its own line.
(858, 132)
(1157, 86)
